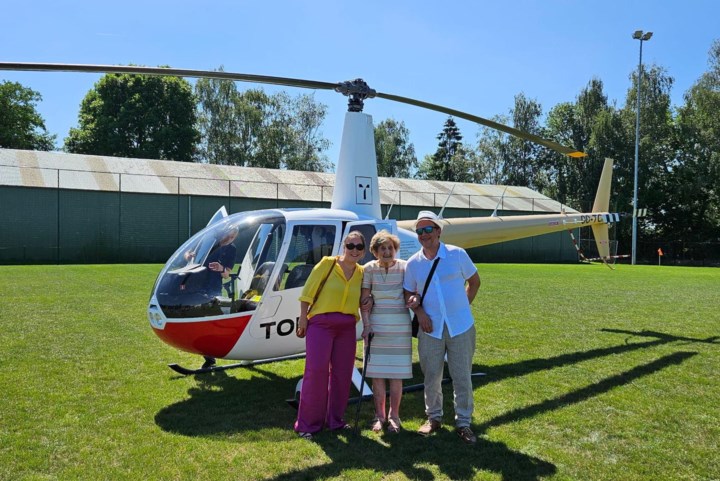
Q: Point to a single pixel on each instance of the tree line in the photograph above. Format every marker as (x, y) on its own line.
(213, 122)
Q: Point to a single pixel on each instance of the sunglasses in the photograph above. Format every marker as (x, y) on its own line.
(425, 230)
(350, 246)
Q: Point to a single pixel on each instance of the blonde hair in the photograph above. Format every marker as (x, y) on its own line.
(382, 237)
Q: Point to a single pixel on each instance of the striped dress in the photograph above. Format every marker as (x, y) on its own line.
(391, 346)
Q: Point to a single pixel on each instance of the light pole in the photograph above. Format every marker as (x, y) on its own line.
(638, 35)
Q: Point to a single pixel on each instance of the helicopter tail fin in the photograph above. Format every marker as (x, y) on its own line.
(602, 204)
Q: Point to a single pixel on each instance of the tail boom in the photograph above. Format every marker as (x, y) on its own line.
(480, 231)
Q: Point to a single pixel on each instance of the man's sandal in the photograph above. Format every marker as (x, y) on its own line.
(305, 435)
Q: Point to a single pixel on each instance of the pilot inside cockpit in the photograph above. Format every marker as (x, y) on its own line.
(218, 263)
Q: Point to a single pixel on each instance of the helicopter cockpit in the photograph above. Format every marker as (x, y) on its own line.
(221, 268)
(245, 261)
(226, 267)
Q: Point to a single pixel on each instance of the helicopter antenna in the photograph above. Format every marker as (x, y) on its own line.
(494, 214)
(447, 200)
(387, 216)
(357, 90)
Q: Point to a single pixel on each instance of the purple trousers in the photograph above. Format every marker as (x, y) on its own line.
(330, 345)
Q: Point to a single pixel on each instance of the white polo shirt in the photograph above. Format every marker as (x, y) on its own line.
(445, 301)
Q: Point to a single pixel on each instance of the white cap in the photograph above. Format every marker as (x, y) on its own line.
(431, 216)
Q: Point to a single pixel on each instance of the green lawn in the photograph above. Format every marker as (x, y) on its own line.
(592, 374)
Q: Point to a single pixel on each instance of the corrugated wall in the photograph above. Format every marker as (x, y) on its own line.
(65, 226)
(67, 208)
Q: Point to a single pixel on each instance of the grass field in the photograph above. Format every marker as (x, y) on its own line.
(592, 374)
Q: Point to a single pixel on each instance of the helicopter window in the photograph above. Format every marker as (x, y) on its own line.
(196, 254)
(367, 230)
(266, 245)
(192, 285)
(259, 261)
(308, 244)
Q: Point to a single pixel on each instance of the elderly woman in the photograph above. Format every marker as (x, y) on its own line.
(389, 320)
(329, 310)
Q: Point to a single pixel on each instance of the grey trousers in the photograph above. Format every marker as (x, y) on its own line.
(460, 350)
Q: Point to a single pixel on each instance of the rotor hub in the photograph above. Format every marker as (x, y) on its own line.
(357, 90)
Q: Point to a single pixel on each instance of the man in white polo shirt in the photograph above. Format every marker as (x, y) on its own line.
(446, 322)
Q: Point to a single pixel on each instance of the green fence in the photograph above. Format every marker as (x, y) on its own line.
(63, 226)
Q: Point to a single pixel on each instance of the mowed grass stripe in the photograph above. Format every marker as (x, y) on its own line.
(591, 374)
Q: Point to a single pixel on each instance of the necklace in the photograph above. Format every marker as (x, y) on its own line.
(385, 270)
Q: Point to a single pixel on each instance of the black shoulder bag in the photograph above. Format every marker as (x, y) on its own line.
(415, 322)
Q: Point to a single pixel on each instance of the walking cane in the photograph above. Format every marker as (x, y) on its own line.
(362, 383)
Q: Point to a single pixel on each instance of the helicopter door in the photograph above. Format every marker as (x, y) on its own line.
(369, 228)
(302, 249)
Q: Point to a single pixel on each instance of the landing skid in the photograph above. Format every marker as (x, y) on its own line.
(224, 367)
(295, 402)
(411, 388)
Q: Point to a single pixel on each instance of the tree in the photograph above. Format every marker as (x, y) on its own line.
(265, 132)
(452, 161)
(505, 159)
(592, 126)
(521, 166)
(395, 154)
(309, 146)
(561, 126)
(490, 151)
(254, 129)
(137, 116)
(218, 122)
(656, 152)
(692, 212)
(21, 126)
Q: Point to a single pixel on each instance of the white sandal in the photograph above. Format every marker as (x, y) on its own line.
(377, 425)
(394, 425)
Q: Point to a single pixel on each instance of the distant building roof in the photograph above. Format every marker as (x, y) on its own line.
(26, 168)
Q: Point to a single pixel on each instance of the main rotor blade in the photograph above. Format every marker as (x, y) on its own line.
(133, 69)
(488, 123)
(285, 81)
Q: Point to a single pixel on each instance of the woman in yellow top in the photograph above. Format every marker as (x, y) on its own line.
(329, 310)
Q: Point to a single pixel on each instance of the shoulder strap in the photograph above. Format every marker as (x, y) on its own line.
(322, 284)
(427, 282)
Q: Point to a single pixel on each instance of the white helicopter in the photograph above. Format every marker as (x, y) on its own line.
(251, 315)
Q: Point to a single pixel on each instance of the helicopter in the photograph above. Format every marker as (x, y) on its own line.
(249, 314)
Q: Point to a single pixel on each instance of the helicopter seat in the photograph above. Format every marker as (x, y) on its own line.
(262, 274)
(298, 275)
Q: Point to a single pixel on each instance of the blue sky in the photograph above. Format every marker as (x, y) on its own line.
(474, 56)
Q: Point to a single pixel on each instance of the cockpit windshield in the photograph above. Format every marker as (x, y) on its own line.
(213, 272)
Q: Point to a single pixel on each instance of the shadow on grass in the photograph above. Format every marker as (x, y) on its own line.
(420, 458)
(664, 337)
(410, 454)
(589, 391)
(223, 404)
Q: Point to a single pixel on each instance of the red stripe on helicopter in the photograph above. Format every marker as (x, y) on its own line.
(211, 337)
